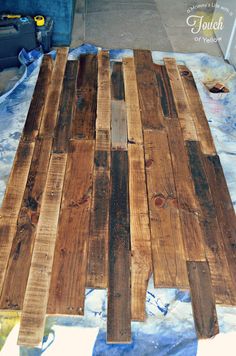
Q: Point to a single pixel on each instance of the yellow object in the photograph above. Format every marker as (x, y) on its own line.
(12, 16)
(40, 21)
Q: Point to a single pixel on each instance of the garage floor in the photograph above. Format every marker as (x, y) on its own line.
(151, 24)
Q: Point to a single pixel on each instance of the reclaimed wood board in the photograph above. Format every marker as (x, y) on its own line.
(116, 176)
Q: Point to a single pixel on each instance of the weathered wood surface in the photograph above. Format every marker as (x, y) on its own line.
(66, 108)
(119, 133)
(67, 289)
(103, 121)
(202, 127)
(189, 208)
(53, 98)
(203, 301)
(141, 258)
(12, 202)
(215, 253)
(119, 293)
(135, 133)
(167, 99)
(83, 126)
(181, 102)
(37, 290)
(35, 113)
(168, 254)
(149, 96)
(224, 210)
(97, 271)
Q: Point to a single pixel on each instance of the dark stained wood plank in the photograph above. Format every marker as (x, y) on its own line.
(53, 98)
(169, 266)
(141, 257)
(203, 301)
(181, 102)
(189, 208)
(22, 246)
(167, 99)
(224, 209)
(119, 134)
(68, 278)
(66, 109)
(220, 275)
(37, 105)
(119, 298)
(12, 202)
(149, 96)
(97, 270)
(197, 111)
(84, 122)
(37, 290)
(103, 121)
(135, 133)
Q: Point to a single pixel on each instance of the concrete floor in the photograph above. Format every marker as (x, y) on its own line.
(151, 24)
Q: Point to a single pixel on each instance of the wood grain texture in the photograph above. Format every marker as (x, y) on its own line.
(53, 98)
(84, 123)
(12, 202)
(141, 257)
(181, 102)
(197, 111)
(119, 295)
(35, 113)
(135, 133)
(167, 99)
(68, 279)
(103, 121)
(189, 208)
(66, 108)
(22, 246)
(149, 96)
(36, 294)
(224, 209)
(203, 301)
(215, 253)
(97, 270)
(119, 132)
(169, 266)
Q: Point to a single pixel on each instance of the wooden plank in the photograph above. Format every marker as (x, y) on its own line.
(22, 246)
(189, 208)
(25, 228)
(181, 102)
(12, 202)
(37, 105)
(135, 133)
(168, 254)
(203, 301)
(224, 209)
(36, 294)
(97, 270)
(119, 134)
(167, 99)
(141, 258)
(197, 111)
(149, 96)
(103, 121)
(66, 109)
(84, 123)
(119, 304)
(53, 98)
(67, 289)
(215, 253)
